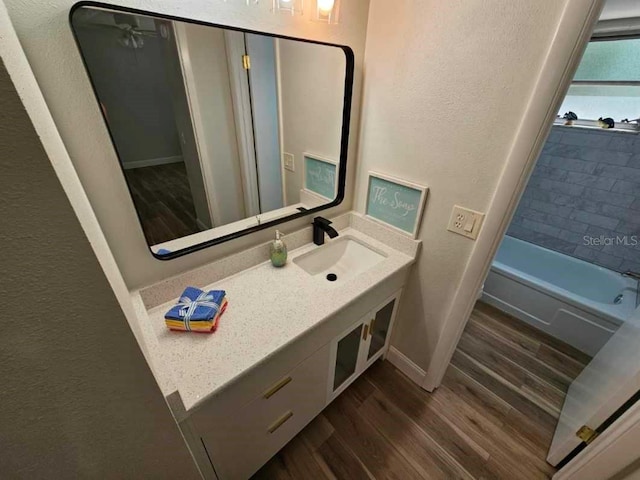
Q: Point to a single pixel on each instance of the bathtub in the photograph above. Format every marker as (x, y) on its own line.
(570, 299)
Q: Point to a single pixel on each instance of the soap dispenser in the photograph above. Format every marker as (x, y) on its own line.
(278, 251)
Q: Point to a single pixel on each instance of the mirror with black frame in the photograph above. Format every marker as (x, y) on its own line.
(219, 131)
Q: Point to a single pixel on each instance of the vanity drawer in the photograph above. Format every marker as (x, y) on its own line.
(241, 442)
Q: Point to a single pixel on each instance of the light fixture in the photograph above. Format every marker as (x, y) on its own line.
(327, 11)
(290, 7)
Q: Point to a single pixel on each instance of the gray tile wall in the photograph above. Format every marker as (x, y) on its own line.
(586, 184)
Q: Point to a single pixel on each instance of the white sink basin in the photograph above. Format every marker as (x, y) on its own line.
(344, 257)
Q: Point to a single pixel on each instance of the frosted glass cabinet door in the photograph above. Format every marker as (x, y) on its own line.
(347, 356)
(379, 329)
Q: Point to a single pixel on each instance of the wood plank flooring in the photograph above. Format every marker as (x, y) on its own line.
(492, 418)
(162, 197)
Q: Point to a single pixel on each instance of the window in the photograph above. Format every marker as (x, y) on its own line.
(606, 84)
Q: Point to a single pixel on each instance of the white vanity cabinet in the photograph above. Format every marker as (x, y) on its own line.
(244, 426)
(355, 349)
(240, 441)
(241, 394)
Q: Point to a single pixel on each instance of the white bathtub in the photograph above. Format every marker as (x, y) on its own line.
(568, 298)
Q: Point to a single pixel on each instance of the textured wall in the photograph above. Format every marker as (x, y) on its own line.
(586, 184)
(440, 78)
(45, 35)
(78, 400)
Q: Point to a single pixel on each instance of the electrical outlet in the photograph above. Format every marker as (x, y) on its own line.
(289, 162)
(465, 222)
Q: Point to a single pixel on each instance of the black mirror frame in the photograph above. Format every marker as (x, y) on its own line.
(344, 141)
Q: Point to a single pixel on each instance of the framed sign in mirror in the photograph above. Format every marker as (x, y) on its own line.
(320, 176)
(212, 125)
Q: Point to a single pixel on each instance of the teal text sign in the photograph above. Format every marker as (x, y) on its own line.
(395, 204)
(320, 177)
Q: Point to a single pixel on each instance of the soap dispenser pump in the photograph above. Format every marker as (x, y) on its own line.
(278, 251)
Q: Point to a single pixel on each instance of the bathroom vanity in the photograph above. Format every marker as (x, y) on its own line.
(288, 344)
(253, 418)
(233, 163)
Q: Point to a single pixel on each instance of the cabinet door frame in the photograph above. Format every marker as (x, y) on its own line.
(363, 349)
(383, 351)
(333, 357)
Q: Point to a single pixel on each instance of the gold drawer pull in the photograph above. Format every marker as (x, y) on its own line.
(365, 331)
(280, 421)
(273, 390)
(373, 322)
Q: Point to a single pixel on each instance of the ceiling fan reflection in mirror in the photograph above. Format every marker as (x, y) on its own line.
(131, 29)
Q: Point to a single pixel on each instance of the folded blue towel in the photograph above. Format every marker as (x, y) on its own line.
(163, 251)
(196, 305)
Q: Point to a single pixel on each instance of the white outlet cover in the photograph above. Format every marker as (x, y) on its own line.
(465, 222)
(289, 162)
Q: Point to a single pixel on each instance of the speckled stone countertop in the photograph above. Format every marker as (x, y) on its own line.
(268, 309)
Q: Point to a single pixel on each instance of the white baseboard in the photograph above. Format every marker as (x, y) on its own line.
(406, 366)
(152, 162)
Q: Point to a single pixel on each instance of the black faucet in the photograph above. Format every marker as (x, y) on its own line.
(320, 226)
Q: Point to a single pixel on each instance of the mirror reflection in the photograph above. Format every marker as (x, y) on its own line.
(217, 130)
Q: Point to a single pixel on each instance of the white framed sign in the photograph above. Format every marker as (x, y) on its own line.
(396, 203)
(320, 175)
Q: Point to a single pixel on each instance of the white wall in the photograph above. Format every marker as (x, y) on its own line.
(204, 55)
(46, 37)
(78, 399)
(443, 79)
(312, 85)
